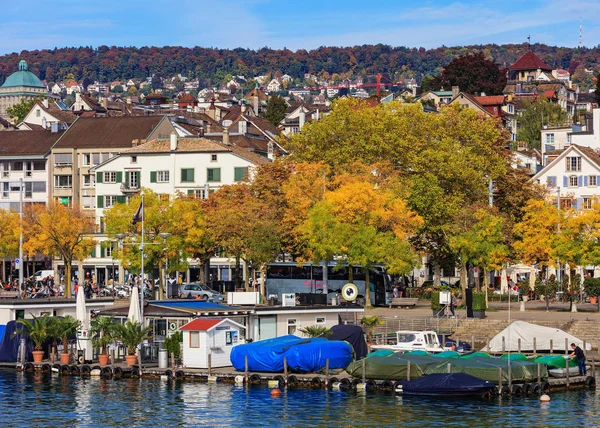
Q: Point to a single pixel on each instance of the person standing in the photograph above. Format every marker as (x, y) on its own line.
(453, 303)
(578, 353)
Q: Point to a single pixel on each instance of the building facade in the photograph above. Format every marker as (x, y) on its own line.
(19, 86)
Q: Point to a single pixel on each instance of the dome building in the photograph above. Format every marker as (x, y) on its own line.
(19, 86)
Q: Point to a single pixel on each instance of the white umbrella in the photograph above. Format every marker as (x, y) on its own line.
(81, 312)
(503, 280)
(134, 314)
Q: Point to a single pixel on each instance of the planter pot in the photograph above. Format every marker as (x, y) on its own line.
(525, 298)
(103, 359)
(65, 358)
(38, 356)
(131, 359)
(594, 299)
(479, 314)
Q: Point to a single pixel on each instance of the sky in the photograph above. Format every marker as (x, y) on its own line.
(306, 24)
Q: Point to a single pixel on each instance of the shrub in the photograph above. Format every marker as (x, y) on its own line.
(435, 301)
(479, 301)
(592, 286)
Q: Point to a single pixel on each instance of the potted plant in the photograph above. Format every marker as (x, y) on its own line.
(173, 346)
(370, 322)
(103, 329)
(435, 303)
(592, 288)
(525, 288)
(65, 327)
(37, 329)
(479, 305)
(132, 334)
(316, 331)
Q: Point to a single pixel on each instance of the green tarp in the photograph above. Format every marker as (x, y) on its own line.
(392, 367)
(515, 357)
(555, 361)
(475, 354)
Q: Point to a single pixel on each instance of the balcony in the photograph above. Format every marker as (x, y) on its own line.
(129, 189)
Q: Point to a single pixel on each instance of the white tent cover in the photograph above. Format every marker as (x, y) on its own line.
(81, 313)
(134, 314)
(527, 332)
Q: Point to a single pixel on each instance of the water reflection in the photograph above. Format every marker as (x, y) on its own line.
(37, 399)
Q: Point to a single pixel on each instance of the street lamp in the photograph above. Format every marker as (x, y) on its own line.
(164, 236)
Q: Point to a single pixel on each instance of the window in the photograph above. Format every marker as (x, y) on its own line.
(162, 176)
(549, 138)
(17, 166)
(291, 325)
(187, 175)
(593, 180)
(108, 251)
(164, 197)
(573, 163)
(109, 201)
(5, 190)
(566, 203)
(96, 158)
(28, 190)
(586, 203)
(63, 181)
(510, 108)
(213, 158)
(110, 177)
(87, 180)
(105, 157)
(38, 112)
(86, 159)
(240, 173)
(213, 174)
(39, 166)
(572, 181)
(133, 159)
(194, 339)
(87, 201)
(320, 320)
(63, 159)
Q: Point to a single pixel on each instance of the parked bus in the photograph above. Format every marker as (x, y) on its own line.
(287, 278)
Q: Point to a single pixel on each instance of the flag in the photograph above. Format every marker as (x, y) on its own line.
(139, 214)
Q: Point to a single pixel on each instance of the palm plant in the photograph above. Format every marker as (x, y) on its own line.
(103, 330)
(316, 331)
(173, 346)
(54, 335)
(132, 334)
(370, 322)
(65, 327)
(36, 328)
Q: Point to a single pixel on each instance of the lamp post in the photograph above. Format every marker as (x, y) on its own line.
(120, 237)
(164, 236)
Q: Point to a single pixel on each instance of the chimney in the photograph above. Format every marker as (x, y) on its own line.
(54, 127)
(135, 143)
(173, 141)
(226, 137)
(211, 110)
(301, 119)
(317, 115)
(208, 126)
(270, 151)
(105, 103)
(77, 99)
(455, 91)
(45, 102)
(256, 106)
(44, 122)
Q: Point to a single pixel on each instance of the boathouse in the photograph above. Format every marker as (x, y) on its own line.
(210, 339)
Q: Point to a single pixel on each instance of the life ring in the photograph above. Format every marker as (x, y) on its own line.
(349, 292)
(172, 326)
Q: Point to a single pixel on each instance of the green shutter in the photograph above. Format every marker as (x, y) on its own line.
(213, 174)
(100, 201)
(190, 191)
(119, 177)
(121, 199)
(152, 176)
(127, 177)
(98, 177)
(183, 175)
(191, 174)
(217, 174)
(209, 174)
(93, 252)
(102, 252)
(187, 175)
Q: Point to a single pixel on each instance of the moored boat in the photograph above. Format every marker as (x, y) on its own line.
(446, 384)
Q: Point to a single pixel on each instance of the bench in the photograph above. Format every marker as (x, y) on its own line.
(404, 302)
(9, 294)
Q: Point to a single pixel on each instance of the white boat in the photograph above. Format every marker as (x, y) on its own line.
(407, 340)
(573, 371)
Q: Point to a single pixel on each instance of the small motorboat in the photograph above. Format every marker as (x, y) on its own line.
(446, 384)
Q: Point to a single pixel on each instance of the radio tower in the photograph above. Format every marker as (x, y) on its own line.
(580, 34)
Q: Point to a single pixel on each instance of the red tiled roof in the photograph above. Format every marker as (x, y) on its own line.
(530, 61)
(200, 325)
(490, 100)
(549, 94)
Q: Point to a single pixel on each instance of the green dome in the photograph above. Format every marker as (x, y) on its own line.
(22, 78)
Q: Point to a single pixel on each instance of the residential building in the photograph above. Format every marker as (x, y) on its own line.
(91, 141)
(274, 86)
(73, 87)
(47, 114)
(19, 86)
(85, 105)
(438, 98)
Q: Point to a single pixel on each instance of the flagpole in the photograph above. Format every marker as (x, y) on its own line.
(142, 288)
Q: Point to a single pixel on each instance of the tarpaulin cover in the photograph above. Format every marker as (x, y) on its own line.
(2, 328)
(447, 384)
(526, 332)
(475, 354)
(515, 357)
(308, 355)
(446, 354)
(487, 369)
(395, 367)
(555, 361)
(352, 334)
(392, 367)
(9, 347)
(381, 353)
(417, 352)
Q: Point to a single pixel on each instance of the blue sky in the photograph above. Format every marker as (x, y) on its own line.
(306, 24)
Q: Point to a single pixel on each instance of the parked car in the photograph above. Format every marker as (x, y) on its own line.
(194, 290)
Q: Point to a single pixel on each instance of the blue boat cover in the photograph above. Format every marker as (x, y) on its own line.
(305, 355)
(2, 328)
(352, 334)
(9, 347)
(447, 384)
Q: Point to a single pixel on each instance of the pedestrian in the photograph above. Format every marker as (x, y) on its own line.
(578, 353)
(396, 290)
(453, 303)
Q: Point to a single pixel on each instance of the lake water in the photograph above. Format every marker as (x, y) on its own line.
(36, 399)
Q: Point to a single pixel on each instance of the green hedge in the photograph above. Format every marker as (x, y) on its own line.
(478, 301)
(435, 300)
(592, 286)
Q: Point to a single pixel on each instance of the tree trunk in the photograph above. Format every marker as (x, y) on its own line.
(68, 279)
(350, 275)
(486, 285)
(437, 275)
(367, 289)
(161, 280)
(325, 273)
(463, 283)
(173, 359)
(477, 282)
(246, 276)
(263, 289)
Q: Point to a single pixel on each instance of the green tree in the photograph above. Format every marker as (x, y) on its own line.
(36, 328)
(275, 111)
(20, 110)
(66, 327)
(118, 89)
(472, 73)
(537, 113)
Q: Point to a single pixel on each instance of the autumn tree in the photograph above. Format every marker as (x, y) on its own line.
(275, 111)
(9, 244)
(20, 110)
(474, 74)
(538, 113)
(62, 231)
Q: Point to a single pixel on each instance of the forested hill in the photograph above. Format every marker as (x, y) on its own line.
(212, 65)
